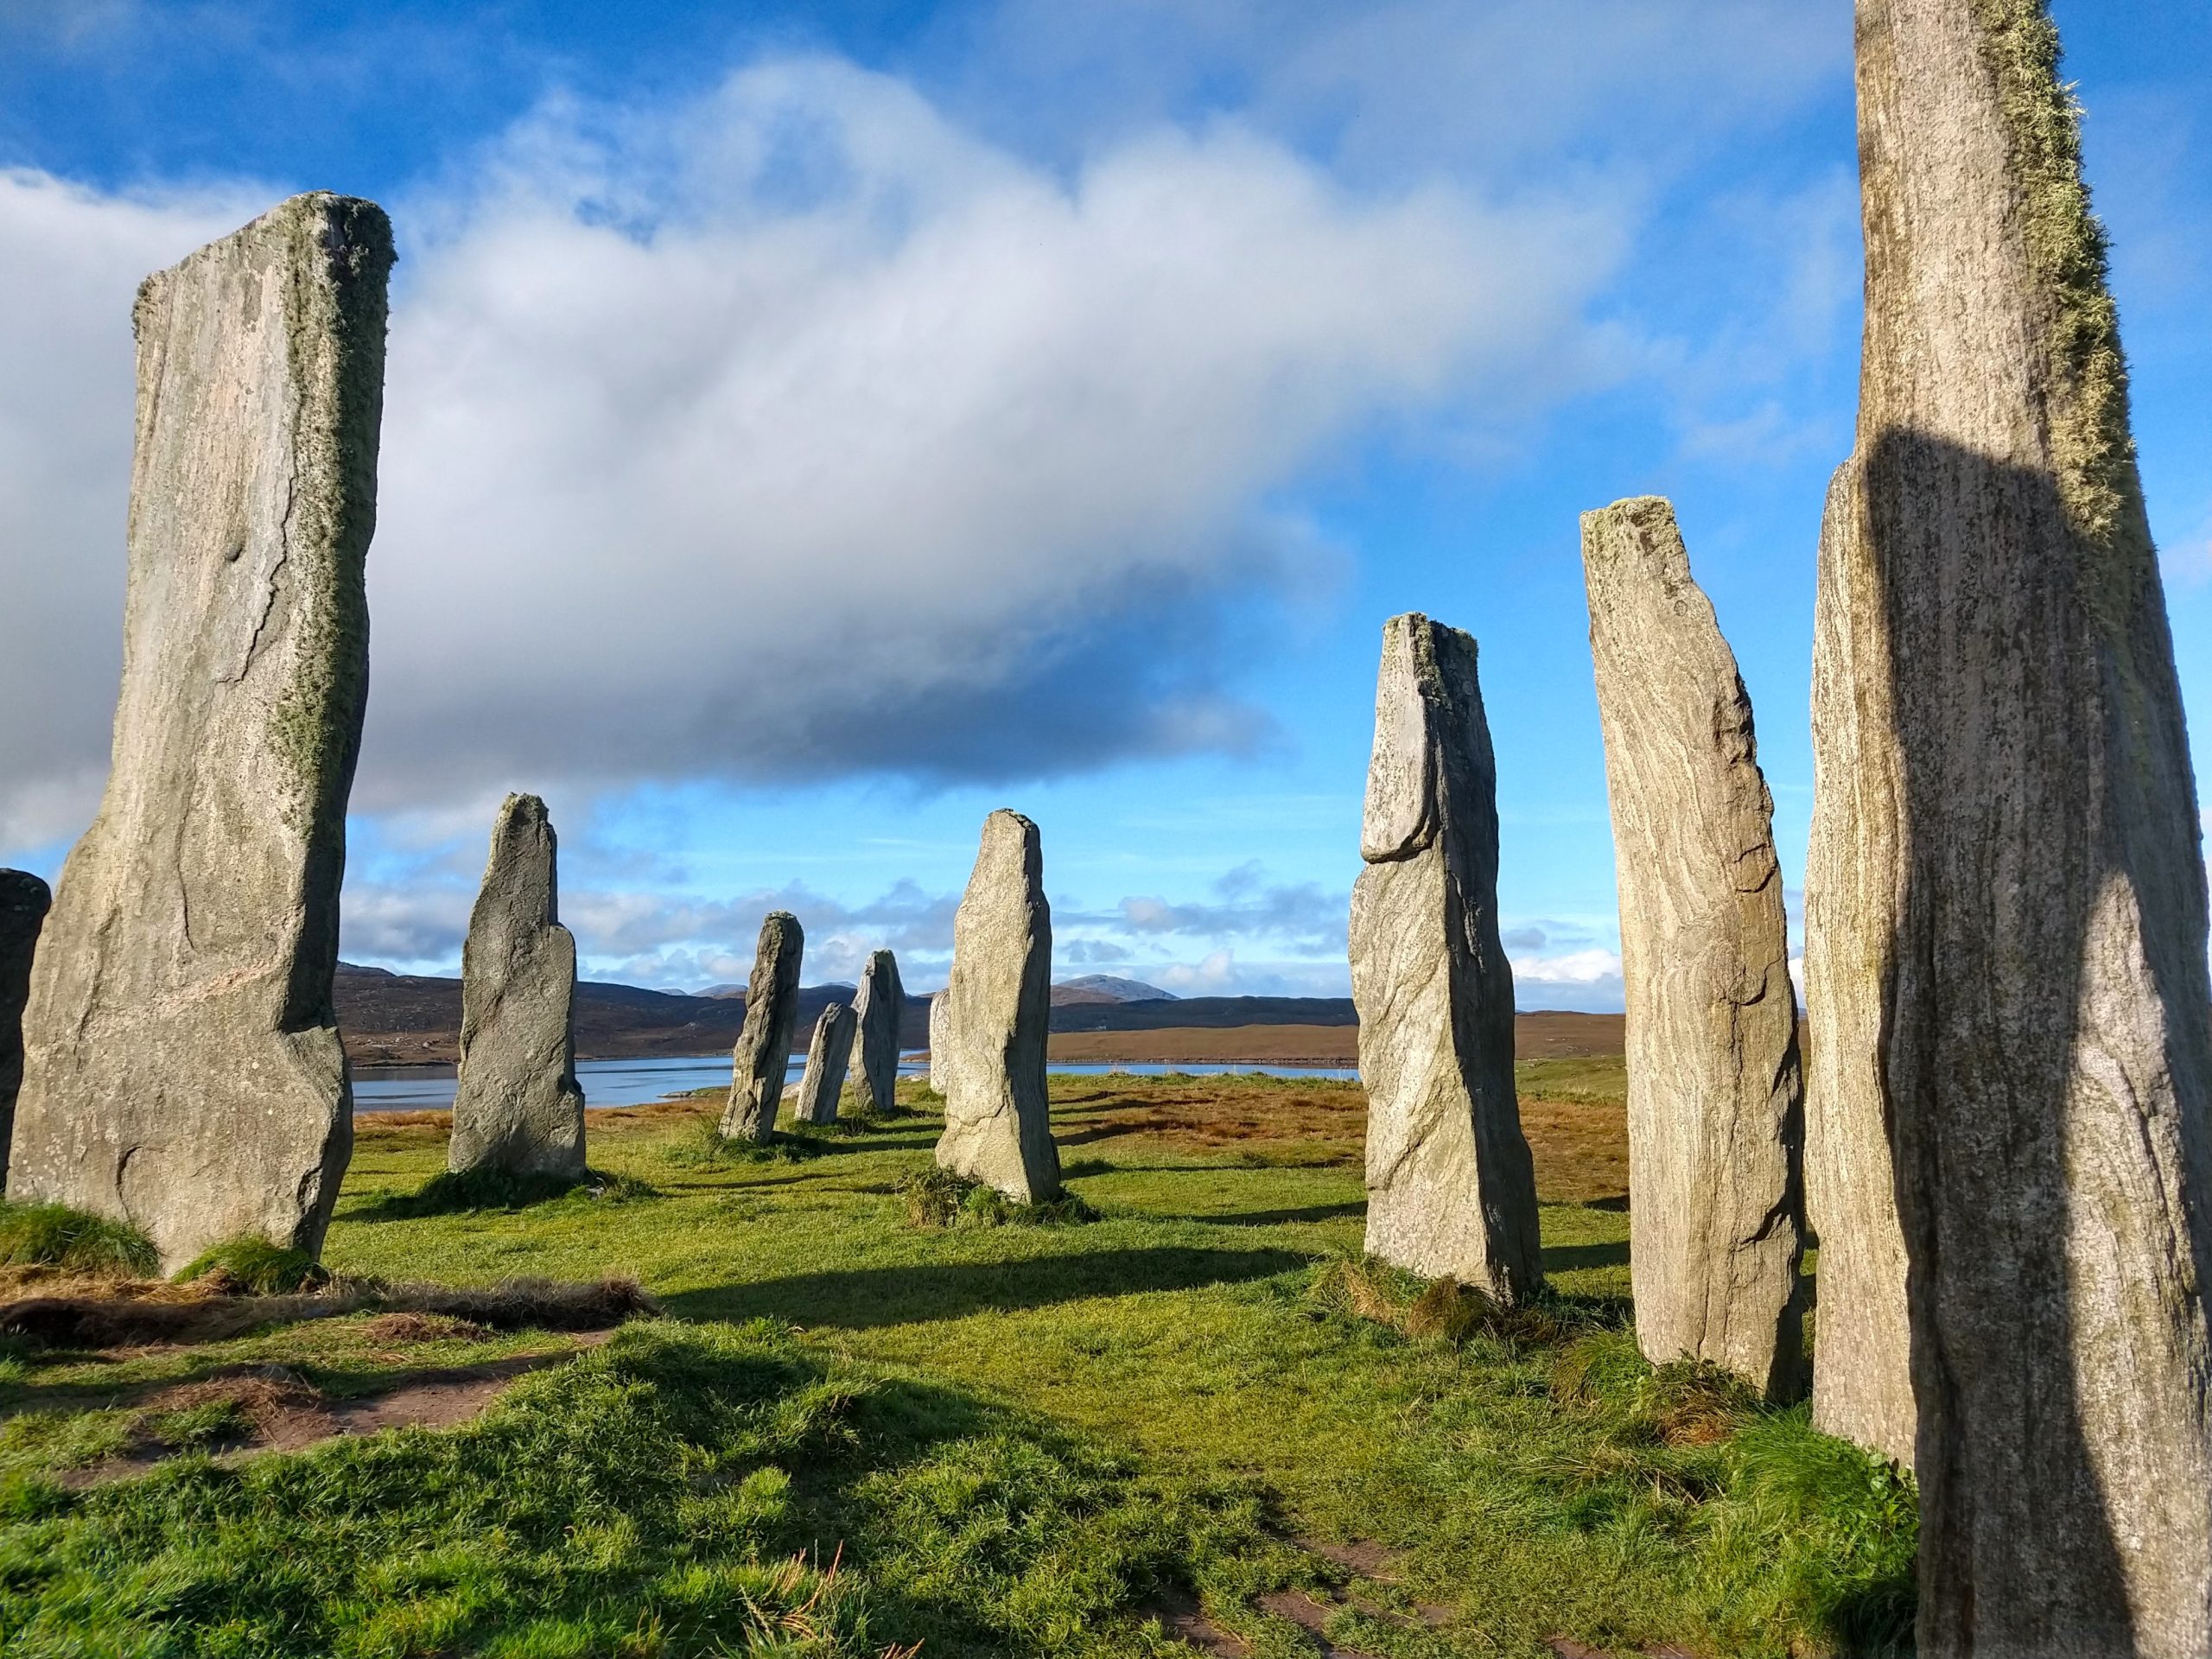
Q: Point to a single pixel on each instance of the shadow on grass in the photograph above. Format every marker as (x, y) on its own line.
(453, 1193)
(1572, 1258)
(864, 1298)
(1277, 1217)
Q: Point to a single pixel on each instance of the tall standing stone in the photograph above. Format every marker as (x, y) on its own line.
(997, 1121)
(182, 1069)
(1451, 1189)
(24, 901)
(517, 1105)
(880, 1008)
(2008, 868)
(762, 1057)
(940, 1041)
(1715, 1093)
(827, 1057)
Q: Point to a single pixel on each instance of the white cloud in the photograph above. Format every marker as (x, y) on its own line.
(1587, 979)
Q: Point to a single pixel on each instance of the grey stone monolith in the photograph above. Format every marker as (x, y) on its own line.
(517, 1105)
(24, 901)
(762, 1057)
(1715, 1091)
(828, 1055)
(880, 1006)
(2007, 866)
(997, 1122)
(940, 1039)
(182, 1069)
(1451, 1189)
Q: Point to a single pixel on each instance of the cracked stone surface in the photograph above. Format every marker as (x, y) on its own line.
(1451, 1189)
(517, 1105)
(828, 1054)
(880, 1008)
(762, 1055)
(182, 1069)
(997, 1125)
(1715, 1091)
(24, 901)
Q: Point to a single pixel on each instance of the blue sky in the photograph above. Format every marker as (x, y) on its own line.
(807, 433)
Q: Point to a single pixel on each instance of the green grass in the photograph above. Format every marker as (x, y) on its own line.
(256, 1265)
(1017, 1436)
(55, 1236)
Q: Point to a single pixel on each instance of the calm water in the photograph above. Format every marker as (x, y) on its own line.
(632, 1083)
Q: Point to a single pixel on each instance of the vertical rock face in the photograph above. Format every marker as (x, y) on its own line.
(1451, 1190)
(24, 904)
(940, 1039)
(2008, 850)
(1715, 1095)
(997, 1127)
(827, 1056)
(879, 1007)
(182, 1069)
(764, 1042)
(516, 1104)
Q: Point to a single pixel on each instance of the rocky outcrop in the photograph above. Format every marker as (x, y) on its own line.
(2006, 872)
(880, 1008)
(182, 1069)
(1451, 1190)
(762, 1056)
(997, 1126)
(1715, 1092)
(827, 1057)
(517, 1105)
(24, 901)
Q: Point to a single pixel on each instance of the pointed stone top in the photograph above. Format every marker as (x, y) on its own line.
(1633, 548)
(1008, 835)
(1427, 674)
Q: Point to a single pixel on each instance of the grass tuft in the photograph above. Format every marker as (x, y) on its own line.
(254, 1267)
(707, 1149)
(55, 1235)
(937, 1198)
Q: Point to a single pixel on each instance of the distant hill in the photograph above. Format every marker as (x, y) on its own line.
(1205, 1011)
(1106, 987)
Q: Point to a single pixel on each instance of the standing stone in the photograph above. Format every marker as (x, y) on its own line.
(998, 1007)
(24, 904)
(182, 1069)
(827, 1056)
(762, 1057)
(940, 1039)
(517, 1105)
(2008, 861)
(1451, 1190)
(1715, 1093)
(880, 1006)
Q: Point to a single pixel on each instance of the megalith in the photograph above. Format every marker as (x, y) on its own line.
(940, 1039)
(998, 1007)
(24, 901)
(1451, 1189)
(1715, 1092)
(880, 1008)
(2007, 860)
(762, 1057)
(182, 1069)
(517, 1105)
(828, 1055)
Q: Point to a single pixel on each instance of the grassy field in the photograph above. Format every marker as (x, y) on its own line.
(851, 1433)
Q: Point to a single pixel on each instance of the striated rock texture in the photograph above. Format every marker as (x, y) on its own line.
(24, 904)
(764, 1044)
(517, 1105)
(2009, 869)
(1451, 1191)
(181, 1067)
(997, 1124)
(879, 1007)
(940, 1039)
(827, 1056)
(1715, 1093)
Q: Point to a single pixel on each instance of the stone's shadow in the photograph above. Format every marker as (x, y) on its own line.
(1099, 1132)
(1274, 1217)
(1574, 1258)
(864, 1298)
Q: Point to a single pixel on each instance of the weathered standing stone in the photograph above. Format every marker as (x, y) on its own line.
(762, 1057)
(182, 1069)
(940, 1039)
(997, 1123)
(24, 904)
(2007, 868)
(827, 1056)
(1451, 1190)
(880, 1006)
(517, 1105)
(1715, 1093)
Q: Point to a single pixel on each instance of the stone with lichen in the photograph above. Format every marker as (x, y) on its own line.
(828, 1054)
(24, 901)
(761, 1058)
(880, 1008)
